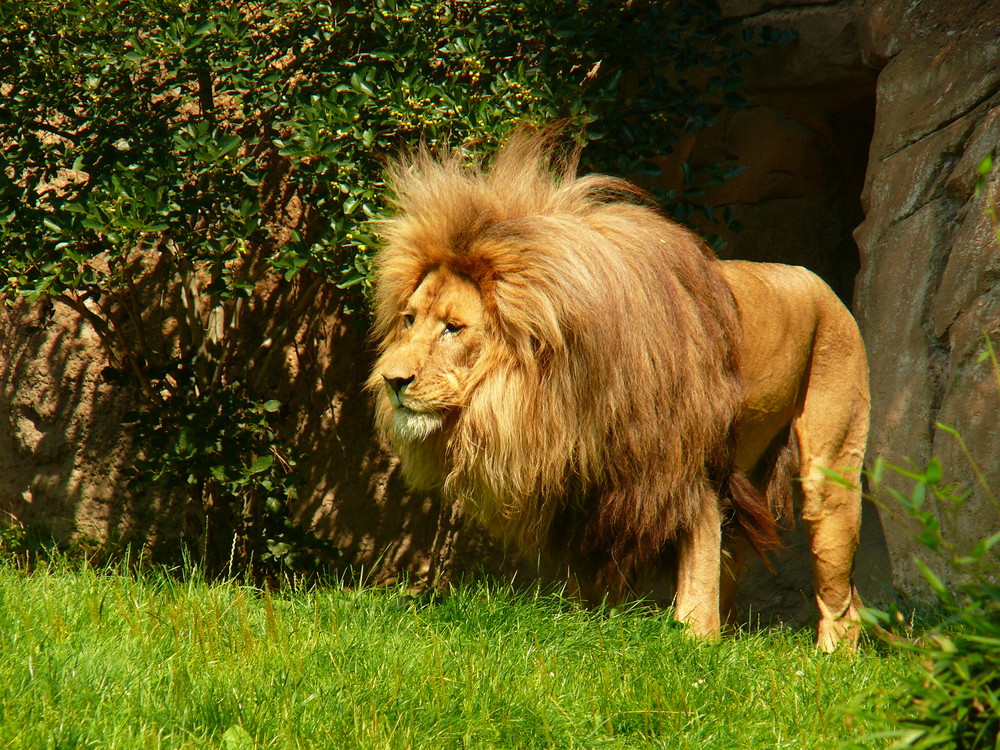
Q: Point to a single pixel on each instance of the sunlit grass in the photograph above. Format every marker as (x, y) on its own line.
(100, 659)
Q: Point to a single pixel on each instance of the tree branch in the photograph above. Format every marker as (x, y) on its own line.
(110, 335)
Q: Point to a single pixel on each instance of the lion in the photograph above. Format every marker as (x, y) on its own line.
(591, 383)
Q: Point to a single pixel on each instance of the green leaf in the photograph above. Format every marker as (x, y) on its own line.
(836, 477)
(877, 470)
(237, 738)
(947, 428)
(228, 144)
(350, 280)
(985, 545)
(262, 463)
(185, 442)
(874, 616)
(360, 85)
(946, 644)
(934, 472)
(278, 548)
(931, 577)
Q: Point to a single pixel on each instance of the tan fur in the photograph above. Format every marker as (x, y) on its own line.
(566, 362)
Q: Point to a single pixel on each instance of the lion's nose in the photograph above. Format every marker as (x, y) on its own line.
(397, 385)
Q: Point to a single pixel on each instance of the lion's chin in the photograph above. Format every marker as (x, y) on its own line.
(413, 426)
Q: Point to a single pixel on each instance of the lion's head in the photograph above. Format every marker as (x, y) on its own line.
(551, 344)
(431, 354)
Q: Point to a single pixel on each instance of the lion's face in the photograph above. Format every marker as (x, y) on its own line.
(426, 365)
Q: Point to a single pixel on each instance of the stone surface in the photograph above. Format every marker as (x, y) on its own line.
(60, 452)
(929, 287)
(65, 455)
(825, 55)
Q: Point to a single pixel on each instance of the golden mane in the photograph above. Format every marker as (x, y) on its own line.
(599, 417)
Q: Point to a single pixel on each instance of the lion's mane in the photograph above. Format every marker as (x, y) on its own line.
(598, 419)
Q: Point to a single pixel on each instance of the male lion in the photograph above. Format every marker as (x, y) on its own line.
(588, 380)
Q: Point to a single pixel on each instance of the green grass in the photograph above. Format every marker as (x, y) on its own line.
(100, 659)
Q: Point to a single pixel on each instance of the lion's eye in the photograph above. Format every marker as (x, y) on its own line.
(453, 327)
(408, 321)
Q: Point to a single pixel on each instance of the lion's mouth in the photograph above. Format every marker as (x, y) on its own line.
(412, 426)
(405, 405)
(408, 407)
(395, 400)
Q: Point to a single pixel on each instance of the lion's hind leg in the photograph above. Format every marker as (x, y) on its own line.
(832, 430)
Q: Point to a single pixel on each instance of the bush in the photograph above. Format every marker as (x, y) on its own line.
(189, 181)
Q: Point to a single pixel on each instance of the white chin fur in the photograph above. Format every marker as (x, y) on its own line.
(411, 426)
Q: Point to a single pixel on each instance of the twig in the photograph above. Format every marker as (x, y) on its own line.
(109, 334)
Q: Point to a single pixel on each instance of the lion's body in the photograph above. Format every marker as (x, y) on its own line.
(588, 380)
(806, 374)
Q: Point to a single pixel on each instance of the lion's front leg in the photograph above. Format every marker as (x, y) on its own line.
(699, 561)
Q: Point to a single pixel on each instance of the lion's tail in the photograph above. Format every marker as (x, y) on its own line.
(778, 482)
(762, 514)
(752, 514)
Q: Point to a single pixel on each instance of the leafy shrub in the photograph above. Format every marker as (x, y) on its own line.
(188, 177)
(12, 537)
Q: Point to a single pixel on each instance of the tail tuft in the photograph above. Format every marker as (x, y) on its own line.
(753, 514)
(778, 482)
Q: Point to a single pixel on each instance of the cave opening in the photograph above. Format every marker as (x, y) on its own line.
(798, 198)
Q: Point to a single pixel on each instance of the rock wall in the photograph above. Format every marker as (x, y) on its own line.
(65, 454)
(802, 141)
(60, 452)
(929, 288)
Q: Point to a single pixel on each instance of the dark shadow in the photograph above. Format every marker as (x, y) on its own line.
(802, 206)
(785, 597)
